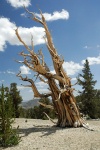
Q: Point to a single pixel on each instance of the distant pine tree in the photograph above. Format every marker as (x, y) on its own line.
(88, 94)
(8, 136)
(37, 112)
(16, 98)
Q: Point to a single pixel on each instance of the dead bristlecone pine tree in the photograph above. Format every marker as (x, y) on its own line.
(62, 93)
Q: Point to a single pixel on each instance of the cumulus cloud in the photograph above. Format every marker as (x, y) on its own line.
(19, 3)
(19, 87)
(41, 84)
(42, 87)
(64, 14)
(22, 88)
(24, 70)
(37, 32)
(44, 90)
(71, 67)
(92, 60)
(73, 79)
(7, 34)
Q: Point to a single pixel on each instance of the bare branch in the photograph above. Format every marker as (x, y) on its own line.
(41, 54)
(32, 42)
(37, 75)
(46, 94)
(47, 106)
(26, 85)
(49, 118)
(62, 96)
(43, 80)
(16, 31)
(36, 93)
(34, 17)
(23, 54)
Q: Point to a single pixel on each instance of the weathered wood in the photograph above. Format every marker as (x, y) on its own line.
(62, 95)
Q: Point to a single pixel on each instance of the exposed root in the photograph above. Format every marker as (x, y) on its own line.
(86, 126)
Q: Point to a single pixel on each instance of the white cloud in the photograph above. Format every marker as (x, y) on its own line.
(92, 60)
(41, 84)
(2, 72)
(92, 47)
(44, 90)
(2, 81)
(22, 88)
(53, 71)
(10, 72)
(7, 34)
(19, 3)
(30, 91)
(73, 79)
(25, 34)
(87, 47)
(19, 87)
(98, 46)
(64, 14)
(24, 14)
(71, 67)
(42, 87)
(24, 70)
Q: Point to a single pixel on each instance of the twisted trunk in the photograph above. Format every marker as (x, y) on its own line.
(62, 95)
(66, 108)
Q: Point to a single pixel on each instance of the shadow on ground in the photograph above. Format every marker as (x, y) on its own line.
(44, 129)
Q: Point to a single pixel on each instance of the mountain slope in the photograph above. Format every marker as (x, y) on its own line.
(30, 103)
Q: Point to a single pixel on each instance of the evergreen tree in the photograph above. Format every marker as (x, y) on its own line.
(43, 109)
(17, 99)
(37, 112)
(97, 103)
(22, 112)
(88, 95)
(8, 136)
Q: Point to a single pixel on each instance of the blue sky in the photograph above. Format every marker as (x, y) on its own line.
(75, 28)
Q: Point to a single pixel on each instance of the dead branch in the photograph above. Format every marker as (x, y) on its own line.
(62, 96)
(49, 118)
(43, 80)
(41, 54)
(33, 16)
(33, 86)
(26, 85)
(32, 43)
(18, 36)
(47, 106)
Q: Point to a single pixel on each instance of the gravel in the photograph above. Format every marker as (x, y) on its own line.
(39, 134)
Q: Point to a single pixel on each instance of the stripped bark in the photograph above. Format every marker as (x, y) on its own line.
(62, 95)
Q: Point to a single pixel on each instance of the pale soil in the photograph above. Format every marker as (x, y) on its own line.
(42, 135)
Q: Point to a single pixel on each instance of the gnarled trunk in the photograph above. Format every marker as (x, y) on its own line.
(62, 94)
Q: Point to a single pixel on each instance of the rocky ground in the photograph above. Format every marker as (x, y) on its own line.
(42, 135)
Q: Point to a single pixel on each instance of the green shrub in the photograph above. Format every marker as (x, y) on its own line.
(8, 135)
